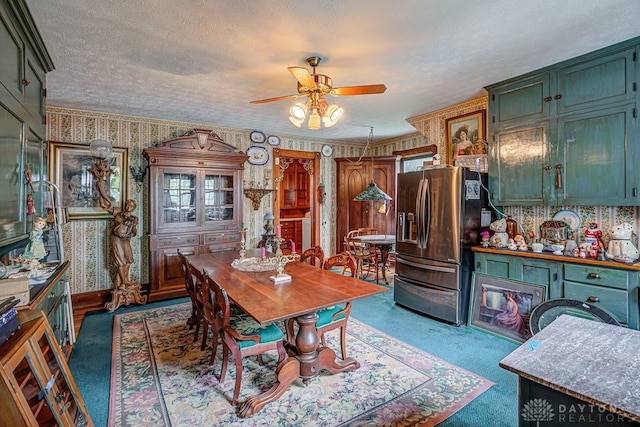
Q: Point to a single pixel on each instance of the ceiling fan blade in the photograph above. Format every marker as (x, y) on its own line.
(278, 98)
(358, 90)
(303, 76)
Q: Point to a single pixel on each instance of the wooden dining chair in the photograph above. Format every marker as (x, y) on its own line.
(242, 336)
(366, 258)
(335, 317)
(194, 291)
(314, 256)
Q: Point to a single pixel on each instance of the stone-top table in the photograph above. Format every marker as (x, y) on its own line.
(578, 372)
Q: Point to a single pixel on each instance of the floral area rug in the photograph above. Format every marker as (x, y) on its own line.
(160, 377)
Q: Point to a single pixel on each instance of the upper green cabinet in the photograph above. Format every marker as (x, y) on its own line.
(566, 134)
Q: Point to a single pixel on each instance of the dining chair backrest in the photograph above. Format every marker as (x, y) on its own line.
(314, 256)
(220, 307)
(341, 262)
(188, 280)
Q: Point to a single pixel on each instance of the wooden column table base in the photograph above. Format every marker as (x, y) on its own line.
(306, 359)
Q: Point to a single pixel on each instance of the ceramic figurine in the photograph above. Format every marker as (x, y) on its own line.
(500, 238)
(512, 245)
(620, 245)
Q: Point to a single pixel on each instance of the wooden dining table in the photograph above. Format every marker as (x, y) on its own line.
(311, 289)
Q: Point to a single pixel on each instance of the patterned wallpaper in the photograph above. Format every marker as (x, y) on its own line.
(86, 242)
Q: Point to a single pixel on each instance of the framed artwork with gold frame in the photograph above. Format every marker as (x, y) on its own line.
(69, 169)
(466, 135)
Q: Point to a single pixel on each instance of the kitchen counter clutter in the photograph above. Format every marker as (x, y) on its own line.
(564, 258)
(609, 285)
(578, 372)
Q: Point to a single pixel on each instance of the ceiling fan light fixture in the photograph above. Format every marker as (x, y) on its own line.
(298, 111)
(297, 123)
(332, 115)
(314, 120)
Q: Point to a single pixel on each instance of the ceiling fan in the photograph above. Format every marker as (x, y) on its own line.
(315, 87)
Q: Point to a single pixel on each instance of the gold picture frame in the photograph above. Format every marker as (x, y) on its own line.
(69, 166)
(476, 135)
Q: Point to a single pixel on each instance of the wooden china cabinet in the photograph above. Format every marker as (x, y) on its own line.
(195, 204)
(353, 176)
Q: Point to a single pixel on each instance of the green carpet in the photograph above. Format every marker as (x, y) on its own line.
(160, 377)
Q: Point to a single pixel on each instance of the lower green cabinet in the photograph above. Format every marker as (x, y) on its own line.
(614, 289)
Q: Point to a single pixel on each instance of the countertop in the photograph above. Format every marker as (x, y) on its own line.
(561, 258)
(591, 361)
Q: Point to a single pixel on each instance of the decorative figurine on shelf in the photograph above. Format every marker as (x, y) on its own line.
(485, 235)
(621, 248)
(500, 238)
(521, 243)
(35, 248)
(594, 232)
(30, 208)
(511, 245)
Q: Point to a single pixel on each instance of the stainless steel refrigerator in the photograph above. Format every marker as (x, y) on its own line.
(441, 212)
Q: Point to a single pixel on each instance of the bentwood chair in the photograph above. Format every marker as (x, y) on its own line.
(314, 256)
(194, 291)
(366, 257)
(242, 336)
(335, 317)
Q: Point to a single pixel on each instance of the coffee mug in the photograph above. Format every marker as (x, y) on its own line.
(537, 247)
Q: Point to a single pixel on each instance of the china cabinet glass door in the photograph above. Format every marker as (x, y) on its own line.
(179, 197)
(218, 197)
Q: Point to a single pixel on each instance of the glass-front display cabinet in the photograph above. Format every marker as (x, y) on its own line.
(195, 204)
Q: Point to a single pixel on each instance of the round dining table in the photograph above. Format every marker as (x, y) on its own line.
(384, 243)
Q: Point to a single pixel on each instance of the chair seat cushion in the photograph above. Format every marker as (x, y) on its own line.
(326, 316)
(245, 325)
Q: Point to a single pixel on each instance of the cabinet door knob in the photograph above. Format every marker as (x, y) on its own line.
(593, 276)
(25, 82)
(547, 168)
(593, 299)
(558, 96)
(547, 99)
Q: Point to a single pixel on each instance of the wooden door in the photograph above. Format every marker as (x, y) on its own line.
(352, 178)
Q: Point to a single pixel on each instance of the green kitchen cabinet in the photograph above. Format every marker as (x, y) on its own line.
(566, 134)
(529, 270)
(603, 284)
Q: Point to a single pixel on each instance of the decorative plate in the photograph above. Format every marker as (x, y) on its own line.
(257, 137)
(327, 150)
(273, 140)
(570, 217)
(257, 155)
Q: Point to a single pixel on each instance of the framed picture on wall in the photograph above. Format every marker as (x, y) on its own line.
(70, 168)
(503, 307)
(466, 135)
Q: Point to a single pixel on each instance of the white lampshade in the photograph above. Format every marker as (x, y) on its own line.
(314, 120)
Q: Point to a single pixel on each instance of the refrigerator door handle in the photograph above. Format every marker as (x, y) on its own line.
(419, 214)
(426, 206)
(426, 267)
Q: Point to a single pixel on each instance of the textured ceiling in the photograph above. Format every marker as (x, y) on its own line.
(202, 61)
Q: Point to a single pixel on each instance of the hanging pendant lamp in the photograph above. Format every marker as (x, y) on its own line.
(372, 192)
